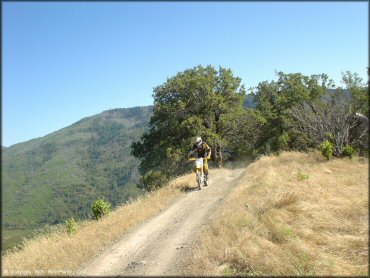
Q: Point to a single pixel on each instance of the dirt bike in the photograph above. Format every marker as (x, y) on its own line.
(198, 169)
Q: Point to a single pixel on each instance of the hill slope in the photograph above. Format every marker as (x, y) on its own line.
(48, 179)
(294, 214)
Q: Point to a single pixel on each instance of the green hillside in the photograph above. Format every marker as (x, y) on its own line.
(48, 179)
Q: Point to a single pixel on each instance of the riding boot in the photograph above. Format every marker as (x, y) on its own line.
(206, 180)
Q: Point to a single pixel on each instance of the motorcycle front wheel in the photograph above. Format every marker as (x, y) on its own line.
(199, 180)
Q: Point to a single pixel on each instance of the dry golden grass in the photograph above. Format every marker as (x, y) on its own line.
(59, 254)
(294, 214)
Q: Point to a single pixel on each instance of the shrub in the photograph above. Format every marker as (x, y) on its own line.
(348, 151)
(327, 149)
(282, 142)
(153, 180)
(302, 176)
(100, 208)
(71, 226)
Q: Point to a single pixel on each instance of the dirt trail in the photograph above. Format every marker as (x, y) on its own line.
(161, 245)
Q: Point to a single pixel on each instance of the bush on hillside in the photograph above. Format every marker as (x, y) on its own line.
(153, 180)
(348, 151)
(327, 149)
(302, 176)
(71, 226)
(100, 208)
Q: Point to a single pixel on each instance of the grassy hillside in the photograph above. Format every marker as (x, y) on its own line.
(56, 253)
(294, 214)
(48, 179)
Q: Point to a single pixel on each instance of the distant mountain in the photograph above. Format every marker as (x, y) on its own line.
(48, 179)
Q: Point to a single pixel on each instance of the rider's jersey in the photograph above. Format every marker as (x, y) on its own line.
(203, 151)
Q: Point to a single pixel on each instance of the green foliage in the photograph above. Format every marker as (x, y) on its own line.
(288, 233)
(71, 226)
(206, 102)
(299, 140)
(199, 101)
(53, 178)
(329, 136)
(332, 118)
(348, 151)
(153, 180)
(12, 238)
(299, 110)
(275, 101)
(359, 103)
(100, 208)
(242, 142)
(358, 90)
(302, 176)
(282, 141)
(327, 149)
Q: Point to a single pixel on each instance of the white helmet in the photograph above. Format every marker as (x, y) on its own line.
(198, 141)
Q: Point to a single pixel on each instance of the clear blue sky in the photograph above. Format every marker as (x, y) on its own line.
(63, 61)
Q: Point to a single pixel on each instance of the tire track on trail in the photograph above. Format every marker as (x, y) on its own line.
(159, 246)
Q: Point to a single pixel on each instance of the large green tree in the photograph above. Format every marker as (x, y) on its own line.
(358, 90)
(334, 116)
(198, 101)
(274, 101)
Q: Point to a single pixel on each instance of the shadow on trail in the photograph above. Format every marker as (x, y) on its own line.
(191, 189)
(233, 165)
(230, 165)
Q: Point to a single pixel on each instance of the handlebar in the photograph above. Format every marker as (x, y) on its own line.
(193, 158)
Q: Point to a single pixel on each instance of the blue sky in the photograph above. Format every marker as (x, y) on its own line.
(63, 61)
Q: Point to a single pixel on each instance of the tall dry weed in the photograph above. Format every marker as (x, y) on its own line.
(276, 224)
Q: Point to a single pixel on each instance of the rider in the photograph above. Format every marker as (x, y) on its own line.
(201, 149)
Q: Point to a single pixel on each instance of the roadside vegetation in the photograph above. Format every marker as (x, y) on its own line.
(47, 180)
(66, 247)
(291, 214)
(292, 113)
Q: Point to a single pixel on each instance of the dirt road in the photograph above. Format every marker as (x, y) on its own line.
(161, 245)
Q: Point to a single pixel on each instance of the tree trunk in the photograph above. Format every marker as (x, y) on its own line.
(218, 155)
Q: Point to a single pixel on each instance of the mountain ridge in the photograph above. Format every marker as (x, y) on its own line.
(47, 179)
(53, 177)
